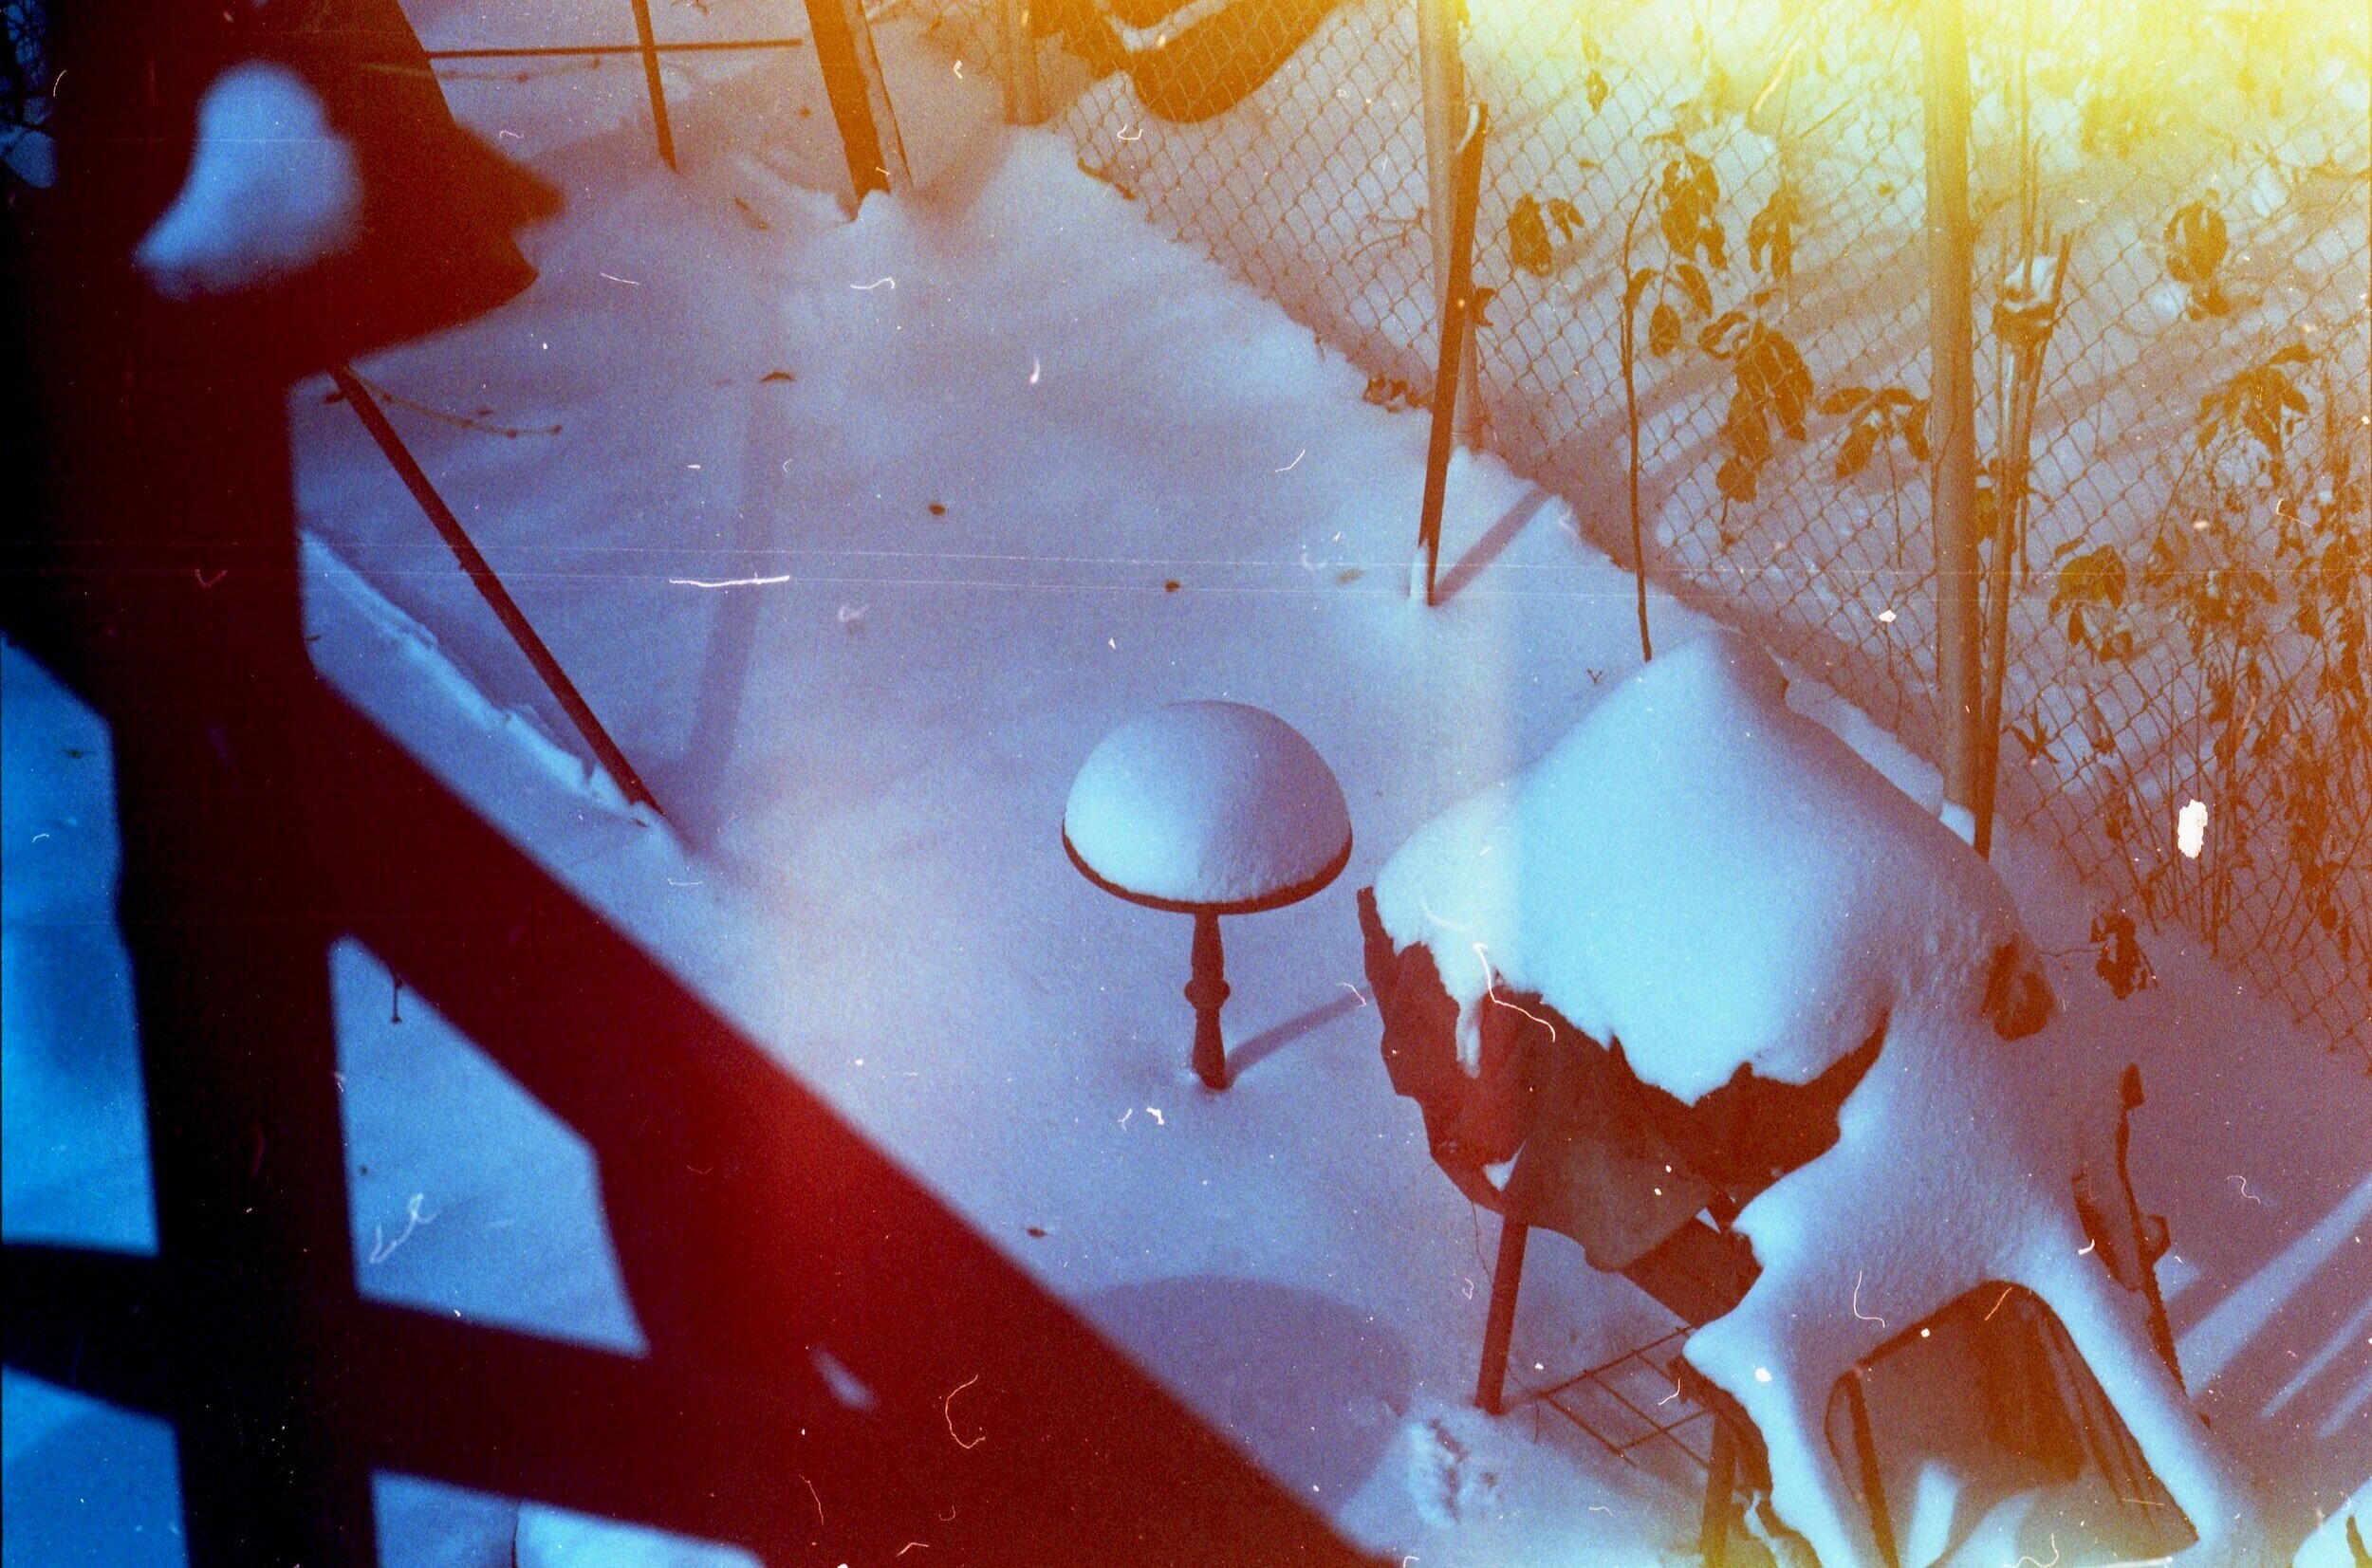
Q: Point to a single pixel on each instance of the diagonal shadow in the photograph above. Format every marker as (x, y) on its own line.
(752, 1225)
(696, 777)
(1273, 1039)
(1493, 543)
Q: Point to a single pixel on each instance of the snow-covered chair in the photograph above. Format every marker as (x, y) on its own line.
(1823, 1031)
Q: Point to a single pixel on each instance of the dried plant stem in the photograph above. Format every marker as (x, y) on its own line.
(1630, 410)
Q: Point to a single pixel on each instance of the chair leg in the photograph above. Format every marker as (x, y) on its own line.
(1499, 1327)
(1873, 1486)
(1720, 1488)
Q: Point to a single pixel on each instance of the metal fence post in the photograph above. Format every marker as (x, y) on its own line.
(1952, 388)
(1457, 338)
(1024, 96)
(1442, 75)
(605, 750)
(647, 41)
(861, 103)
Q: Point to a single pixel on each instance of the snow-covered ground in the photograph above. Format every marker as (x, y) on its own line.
(859, 535)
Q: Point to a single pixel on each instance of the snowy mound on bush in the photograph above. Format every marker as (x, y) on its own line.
(1207, 803)
(1711, 878)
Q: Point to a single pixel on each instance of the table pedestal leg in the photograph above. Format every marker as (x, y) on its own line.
(1207, 991)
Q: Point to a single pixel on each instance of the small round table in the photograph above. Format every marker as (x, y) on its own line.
(1207, 808)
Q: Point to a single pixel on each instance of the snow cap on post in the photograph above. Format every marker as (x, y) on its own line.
(1207, 806)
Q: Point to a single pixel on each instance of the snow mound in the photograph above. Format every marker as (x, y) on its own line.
(1207, 804)
(1708, 877)
(271, 189)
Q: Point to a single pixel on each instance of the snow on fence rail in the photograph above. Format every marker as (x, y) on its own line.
(2191, 575)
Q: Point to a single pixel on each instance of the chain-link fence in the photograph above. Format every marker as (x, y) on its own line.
(2172, 207)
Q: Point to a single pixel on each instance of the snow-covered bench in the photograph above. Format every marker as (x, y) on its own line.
(1823, 1026)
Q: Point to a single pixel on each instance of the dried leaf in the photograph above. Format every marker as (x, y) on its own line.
(2095, 577)
(1735, 478)
(1745, 430)
(1663, 329)
(1790, 378)
(1527, 238)
(1722, 336)
(1691, 278)
(2197, 244)
(2121, 963)
(1771, 235)
(1861, 444)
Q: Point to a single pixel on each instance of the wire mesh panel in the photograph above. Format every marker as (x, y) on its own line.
(1280, 136)
(1750, 196)
(1634, 1405)
(1743, 181)
(2189, 630)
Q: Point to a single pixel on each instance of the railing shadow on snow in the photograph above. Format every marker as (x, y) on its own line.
(756, 1230)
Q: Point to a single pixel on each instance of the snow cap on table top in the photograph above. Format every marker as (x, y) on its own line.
(1706, 875)
(1206, 802)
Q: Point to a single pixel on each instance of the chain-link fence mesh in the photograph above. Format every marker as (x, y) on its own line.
(1310, 186)
(2190, 574)
(2194, 625)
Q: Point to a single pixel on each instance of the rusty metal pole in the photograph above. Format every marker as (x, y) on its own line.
(860, 105)
(1025, 95)
(1952, 388)
(1458, 308)
(1441, 74)
(489, 588)
(647, 44)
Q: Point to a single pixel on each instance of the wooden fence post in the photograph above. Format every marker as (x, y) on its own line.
(1442, 73)
(861, 103)
(1953, 391)
(647, 41)
(1024, 96)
